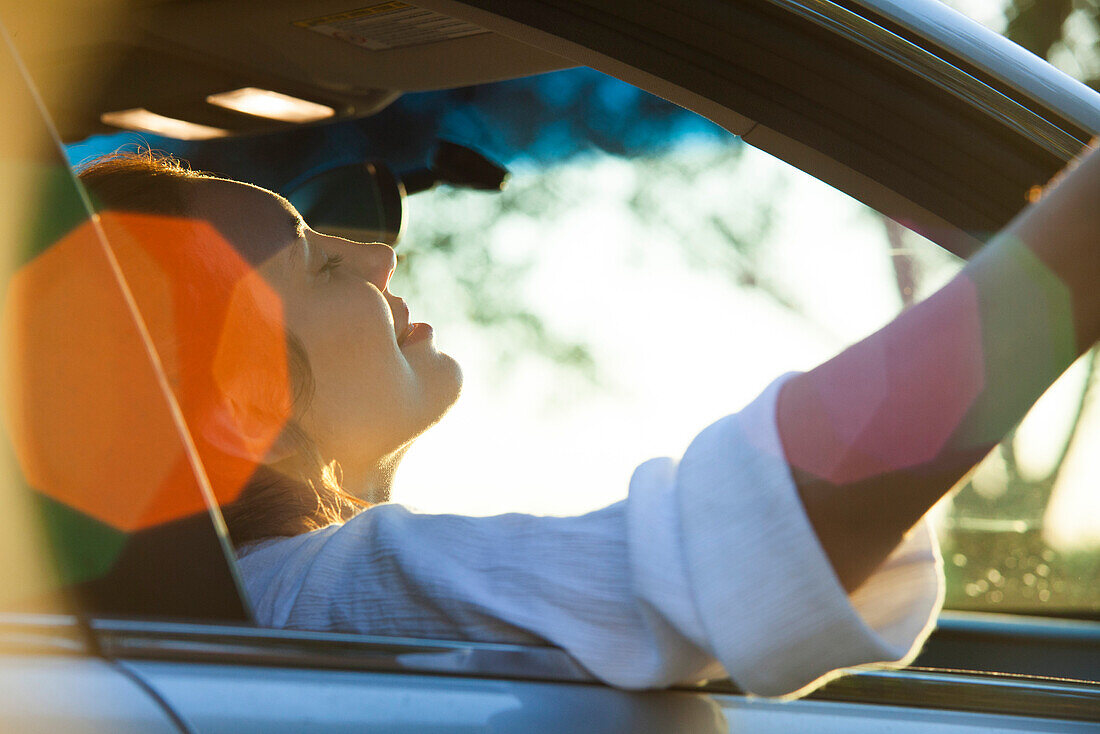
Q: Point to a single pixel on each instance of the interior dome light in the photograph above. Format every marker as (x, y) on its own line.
(272, 105)
(142, 119)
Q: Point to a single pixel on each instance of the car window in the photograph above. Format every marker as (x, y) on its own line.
(106, 512)
(676, 280)
(30, 165)
(642, 274)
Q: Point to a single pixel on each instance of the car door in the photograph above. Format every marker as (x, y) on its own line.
(50, 677)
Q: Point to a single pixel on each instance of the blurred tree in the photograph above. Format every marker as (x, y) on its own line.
(1037, 26)
(1064, 32)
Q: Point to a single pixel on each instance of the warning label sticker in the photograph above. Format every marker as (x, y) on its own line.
(390, 25)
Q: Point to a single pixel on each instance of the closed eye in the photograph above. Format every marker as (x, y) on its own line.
(331, 263)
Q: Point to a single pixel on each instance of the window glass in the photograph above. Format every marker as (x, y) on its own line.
(643, 274)
(685, 277)
(103, 504)
(31, 168)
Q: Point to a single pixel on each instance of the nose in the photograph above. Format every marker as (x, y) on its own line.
(374, 261)
(382, 261)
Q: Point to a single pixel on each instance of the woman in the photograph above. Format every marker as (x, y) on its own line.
(783, 545)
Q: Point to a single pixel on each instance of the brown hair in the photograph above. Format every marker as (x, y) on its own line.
(272, 503)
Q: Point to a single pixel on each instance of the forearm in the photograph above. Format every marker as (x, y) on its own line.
(879, 433)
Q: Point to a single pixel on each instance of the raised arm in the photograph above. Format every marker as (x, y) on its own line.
(876, 435)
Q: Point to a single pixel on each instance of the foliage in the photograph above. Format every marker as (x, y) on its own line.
(1016, 570)
(451, 264)
(1065, 32)
(477, 253)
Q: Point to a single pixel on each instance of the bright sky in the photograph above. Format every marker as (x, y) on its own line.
(679, 346)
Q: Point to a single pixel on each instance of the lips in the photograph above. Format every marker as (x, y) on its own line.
(400, 311)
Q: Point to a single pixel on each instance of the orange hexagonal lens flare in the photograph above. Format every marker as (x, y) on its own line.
(90, 418)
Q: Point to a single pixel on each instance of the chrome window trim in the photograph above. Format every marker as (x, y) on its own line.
(43, 634)
(203, 643)
(921, 688)
(1010, 625)
(925, 65)
(995, 55)
(960, 690)
(956, 690)
(183, 642)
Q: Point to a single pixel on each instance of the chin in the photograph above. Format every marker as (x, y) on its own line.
(438, 384)
(450, 386)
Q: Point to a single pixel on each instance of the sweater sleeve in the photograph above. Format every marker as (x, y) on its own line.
(709, 567)
(771, 609)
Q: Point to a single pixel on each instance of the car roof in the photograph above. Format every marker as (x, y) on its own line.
(990, 56)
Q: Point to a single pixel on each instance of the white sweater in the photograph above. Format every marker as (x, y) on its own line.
(709, 567)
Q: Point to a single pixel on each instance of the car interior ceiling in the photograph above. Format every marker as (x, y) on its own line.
(913, 152)
(167, 57)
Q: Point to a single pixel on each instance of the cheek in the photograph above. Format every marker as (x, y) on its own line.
(360, 377)
(342, 332)
(364, 390)
(354, 364)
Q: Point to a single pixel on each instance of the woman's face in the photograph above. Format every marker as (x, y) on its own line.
(380, 381)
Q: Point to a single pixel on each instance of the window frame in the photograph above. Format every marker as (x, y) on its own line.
(792, 136)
